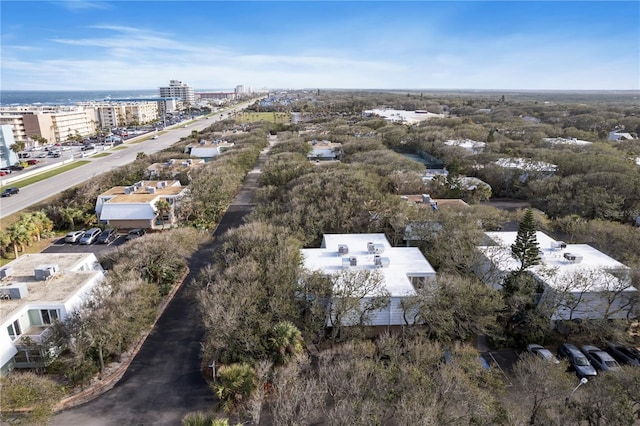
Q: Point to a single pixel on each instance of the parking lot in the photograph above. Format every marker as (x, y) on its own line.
(60, 246)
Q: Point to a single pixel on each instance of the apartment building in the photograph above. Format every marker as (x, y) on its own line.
(114, 114)
(7, 156)
(56, 124)
(179, 89)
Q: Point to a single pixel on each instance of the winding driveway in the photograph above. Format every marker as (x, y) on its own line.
(164, 381)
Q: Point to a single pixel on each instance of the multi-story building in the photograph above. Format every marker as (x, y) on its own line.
(37, 290)
(56, 124)
(117, 114)
(179, 89)
(7, 156)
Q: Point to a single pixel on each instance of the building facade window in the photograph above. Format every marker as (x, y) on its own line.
(14, 330)
(49, 316)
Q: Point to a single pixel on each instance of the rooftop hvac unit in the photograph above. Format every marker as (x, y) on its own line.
(558, 245)
(138, 185)
(6, 272)
(128, 189)
(171, 161)
(346, 262)
(426, 198)
(375, 248)
(202, 142)
(570, 257)
(381, 262)
(42, 272)
(161, 184)
(151, 189)
(343, 249)
(14, 291)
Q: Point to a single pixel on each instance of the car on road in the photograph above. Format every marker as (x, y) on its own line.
(74, 236)
(8, 192)
(624, 354)
(87, 147)
(135, 233)
(90, 236)
(542, 352)
(155, 137)
(17, 167)
(108, 236)
(32, 162)
(42, 155)
(5, 170)
(577, 361)
(600, 359)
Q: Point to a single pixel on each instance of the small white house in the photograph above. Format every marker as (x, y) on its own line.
(578, 281)
(619, 135)
(207, 149)
(325, 150)
(471, 146)
(35, 291)
(401, 269)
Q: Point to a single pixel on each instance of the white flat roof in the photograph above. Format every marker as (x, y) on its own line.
(565, 141)
(526, 164)
(404, 262)
(465, 143)
(75, 269)
(555, 269)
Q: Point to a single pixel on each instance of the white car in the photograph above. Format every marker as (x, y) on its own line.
(73, 236)
(155, 137)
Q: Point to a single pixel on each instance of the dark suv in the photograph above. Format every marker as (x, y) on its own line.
(135, 233)
(10, 191)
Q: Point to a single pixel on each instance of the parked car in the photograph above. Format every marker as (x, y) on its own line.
(135, 233)
(8, 192)
(155, 137)
(108, 236)
(624, 354)
(577, 360)
(542, 352)
(32, 162)
(74, 236)
(5, 170)
(17, 167)
(90, 236)
(24, 155)
(42, 155)
(87, 147)
(600, 359)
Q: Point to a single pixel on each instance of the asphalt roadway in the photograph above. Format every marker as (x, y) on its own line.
(164, 381)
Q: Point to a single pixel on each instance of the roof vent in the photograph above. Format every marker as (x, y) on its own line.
(343, 249)
(42, 272)
(6, 272)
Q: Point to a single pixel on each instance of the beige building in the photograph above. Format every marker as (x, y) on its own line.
(56, 124)
(180, 90)
(110, 115)
(134, 206)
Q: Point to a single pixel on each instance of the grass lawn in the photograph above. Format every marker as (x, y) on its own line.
(118, 148)
(102, 154)
(46, 175)
(272, 117)
(35, 247)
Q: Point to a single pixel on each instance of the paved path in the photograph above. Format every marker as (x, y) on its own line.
(164, 382)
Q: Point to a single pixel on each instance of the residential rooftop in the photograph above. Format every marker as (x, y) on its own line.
(403, 262)
(73, 271)
(143, 191)
(559, 261)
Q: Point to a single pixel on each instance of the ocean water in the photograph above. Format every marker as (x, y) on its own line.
(33, 97)
(71, 97)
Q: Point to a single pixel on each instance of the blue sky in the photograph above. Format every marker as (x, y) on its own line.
(69, 45)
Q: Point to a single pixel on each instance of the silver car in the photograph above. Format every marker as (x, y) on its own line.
(542, 352)
(74, 236)
(90, 236)
(600, 359)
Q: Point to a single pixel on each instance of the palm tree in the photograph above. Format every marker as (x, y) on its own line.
(19, 236)
(286, 342)
(17, 147)
(163, 208)
(41, 221)
(70, 215)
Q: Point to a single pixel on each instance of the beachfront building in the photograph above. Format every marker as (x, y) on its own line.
(576, 281)
(113, 114)
(365, 268)
(178, 89)
(54, 123)
(36, 290)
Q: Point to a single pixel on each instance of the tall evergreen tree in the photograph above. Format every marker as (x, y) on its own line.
(526, 248)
